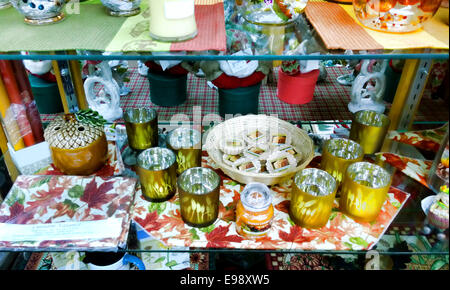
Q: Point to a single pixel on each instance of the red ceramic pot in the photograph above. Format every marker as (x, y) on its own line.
(297, 89)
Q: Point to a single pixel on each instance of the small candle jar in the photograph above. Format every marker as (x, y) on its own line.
(122, 7)
(254, 211)
(369, 129)
(186, 143)
(312, 198)
(4, 4)
(172, 20)
(156, 168)
(142, 128)
(338, 154)
(364, 191)
(39, 12)
(199, 191)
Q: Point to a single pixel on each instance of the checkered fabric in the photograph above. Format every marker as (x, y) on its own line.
(329, 103)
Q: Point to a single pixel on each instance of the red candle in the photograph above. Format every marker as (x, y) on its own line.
(7, 74)
(28, 100)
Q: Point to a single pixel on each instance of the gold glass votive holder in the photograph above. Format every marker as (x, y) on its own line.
(157, 172)
(199, 190)
(142, 128)
(338, 154)
(312, 198)
(186, 143)
(369, 129)
(364, 191)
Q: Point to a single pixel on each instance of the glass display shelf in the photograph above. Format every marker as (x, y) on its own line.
(266, 44)
(407, 225)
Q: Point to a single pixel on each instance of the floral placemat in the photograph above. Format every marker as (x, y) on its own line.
(114, 165)
(429, 140)
(163, 222)
(66, 213)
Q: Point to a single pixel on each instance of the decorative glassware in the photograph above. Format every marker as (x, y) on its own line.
(122, 7)
(157, 172)
(186, 143)
(274, 23)
(369, 129)
(338, 154)
(78, 146)
(142, 128)
(40, 12)
(172, 20)
(254, 211)
(199, 191)
(312, 198)
(364, 191)
(4, 4)
(439, 172)
(395, 15)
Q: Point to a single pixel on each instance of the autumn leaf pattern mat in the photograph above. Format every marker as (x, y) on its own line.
(54, 200)
(163, 222)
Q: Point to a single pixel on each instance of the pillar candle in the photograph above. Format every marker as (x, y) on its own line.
(9, 81)
(28, 100)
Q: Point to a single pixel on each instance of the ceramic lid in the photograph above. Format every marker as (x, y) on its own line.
(66, 132)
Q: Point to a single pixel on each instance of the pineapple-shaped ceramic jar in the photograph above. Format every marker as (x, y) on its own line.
(78, 145)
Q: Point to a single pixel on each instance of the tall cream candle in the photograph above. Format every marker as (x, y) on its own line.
(172, 20)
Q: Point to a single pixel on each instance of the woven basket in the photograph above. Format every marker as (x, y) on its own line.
(232, 127)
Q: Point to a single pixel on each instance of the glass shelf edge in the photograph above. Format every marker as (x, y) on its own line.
(223, 57)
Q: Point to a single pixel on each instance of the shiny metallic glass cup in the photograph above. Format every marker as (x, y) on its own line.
(364, 190)
(142, 128)
(338, 154)
(199, 191)
(186, 143)
(312, 198)
(156, 168)
(369, 129)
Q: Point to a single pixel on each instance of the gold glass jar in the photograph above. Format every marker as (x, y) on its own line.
(369, 130)
(312, 198)
(199, 191)
(77, 148)
(254, 211)
(338, 154)
(187, 145)
(157, 172)
(364, 191)
(142, 128)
